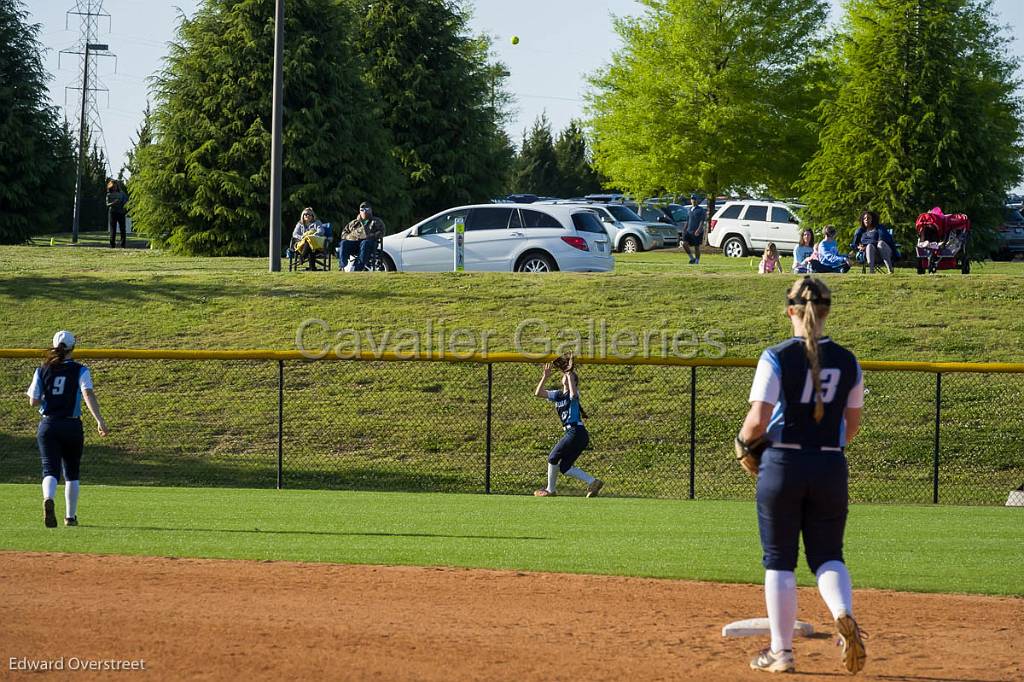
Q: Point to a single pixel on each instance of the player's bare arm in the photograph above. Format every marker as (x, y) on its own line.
(94, 408)
(540, 391)
(755, 424)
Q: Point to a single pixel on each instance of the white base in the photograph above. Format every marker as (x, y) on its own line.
(1015, 499)
(753, 627)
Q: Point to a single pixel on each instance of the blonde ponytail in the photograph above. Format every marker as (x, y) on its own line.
(812, 299)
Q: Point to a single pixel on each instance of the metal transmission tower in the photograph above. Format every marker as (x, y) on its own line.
(89, 125)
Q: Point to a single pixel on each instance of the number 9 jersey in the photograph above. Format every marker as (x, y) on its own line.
(783, 379)
(59, 389)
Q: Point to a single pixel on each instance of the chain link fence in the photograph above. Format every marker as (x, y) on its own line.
(656, 431)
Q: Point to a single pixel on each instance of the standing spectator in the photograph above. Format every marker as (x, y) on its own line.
(802, 253)
(871, 241)
(116, 200)
(693, 237)
(826, 254)
(308, 237)
(57, 389)
(770, 261)
(359, 238)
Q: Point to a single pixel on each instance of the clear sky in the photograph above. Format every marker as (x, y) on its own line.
(561, 41)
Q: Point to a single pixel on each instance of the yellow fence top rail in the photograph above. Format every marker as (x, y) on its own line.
(483, 358)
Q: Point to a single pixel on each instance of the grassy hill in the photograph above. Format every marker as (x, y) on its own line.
(420, 426)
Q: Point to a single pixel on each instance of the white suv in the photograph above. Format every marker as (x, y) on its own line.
(740, 227)
(504, 238)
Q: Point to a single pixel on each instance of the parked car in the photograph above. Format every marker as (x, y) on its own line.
(662, 222)
(742, 227)
(628, 232)
(1010, 234)
(505, 238)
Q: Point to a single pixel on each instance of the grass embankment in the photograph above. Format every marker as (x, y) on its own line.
(979, 550)
(420, 426)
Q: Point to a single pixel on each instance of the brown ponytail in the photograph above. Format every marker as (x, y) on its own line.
(56, 355)
(812, 299)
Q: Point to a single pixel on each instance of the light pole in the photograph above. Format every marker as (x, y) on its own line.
(276, 147)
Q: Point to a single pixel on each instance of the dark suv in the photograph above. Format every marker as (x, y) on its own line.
(1011, 234)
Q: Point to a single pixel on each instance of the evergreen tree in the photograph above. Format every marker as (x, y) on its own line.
(710, 94)
(203, 184)
(442, 97)
(926, 115)
(37, 162)
(577, 176)
(143, 138)
(537, 167)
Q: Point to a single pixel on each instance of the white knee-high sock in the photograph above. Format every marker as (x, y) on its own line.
(552, 477)
(835, 587)
(576, 472)
(71, 497)
(780, 598)
(49, 487)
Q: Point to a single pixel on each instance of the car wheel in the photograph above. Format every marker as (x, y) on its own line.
(536, 262)
(734, 247)
(382, 264)
(631, 244)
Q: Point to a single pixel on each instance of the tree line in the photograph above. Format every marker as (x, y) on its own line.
(904, 105)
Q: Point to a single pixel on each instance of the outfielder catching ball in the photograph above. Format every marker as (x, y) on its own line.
(576, 438)
(805, 408)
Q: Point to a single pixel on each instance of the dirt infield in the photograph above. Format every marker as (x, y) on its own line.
(203, 619)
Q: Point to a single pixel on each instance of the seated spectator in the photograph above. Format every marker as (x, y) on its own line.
(871, 241)
(359, 238)
(802, 253)
(770, 261)
(826, 256)
(308, 237)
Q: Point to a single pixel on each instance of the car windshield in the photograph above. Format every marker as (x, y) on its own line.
(1014, 216)
(622, 213)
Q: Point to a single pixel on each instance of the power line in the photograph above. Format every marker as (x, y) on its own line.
(90, 126)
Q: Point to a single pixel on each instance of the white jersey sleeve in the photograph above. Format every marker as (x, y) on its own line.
(552, 395)
(35, 389)
(856, 397)
(767, 380)
(85, 379)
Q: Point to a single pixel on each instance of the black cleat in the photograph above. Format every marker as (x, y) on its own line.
(71, 521)
(49, 518)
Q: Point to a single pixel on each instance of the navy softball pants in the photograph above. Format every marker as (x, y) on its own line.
(568, 449)
(60, 447)
(801, 492)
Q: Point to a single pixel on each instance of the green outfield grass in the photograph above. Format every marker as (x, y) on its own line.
(949, 549)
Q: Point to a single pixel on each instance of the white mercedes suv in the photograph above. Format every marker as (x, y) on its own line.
(504, 238)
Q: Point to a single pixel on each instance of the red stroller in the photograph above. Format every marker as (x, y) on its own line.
(942, 241)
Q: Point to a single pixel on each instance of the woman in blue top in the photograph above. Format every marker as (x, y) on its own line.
(826, 254)
(802, 253)
(58, 388)
(806, 400)
(576, 438)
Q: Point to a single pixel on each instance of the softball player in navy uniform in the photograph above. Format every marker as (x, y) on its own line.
(805, 404)
(576, 438)
(57, 389)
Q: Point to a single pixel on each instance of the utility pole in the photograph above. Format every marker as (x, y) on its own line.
(276, 148)
(89, 124)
